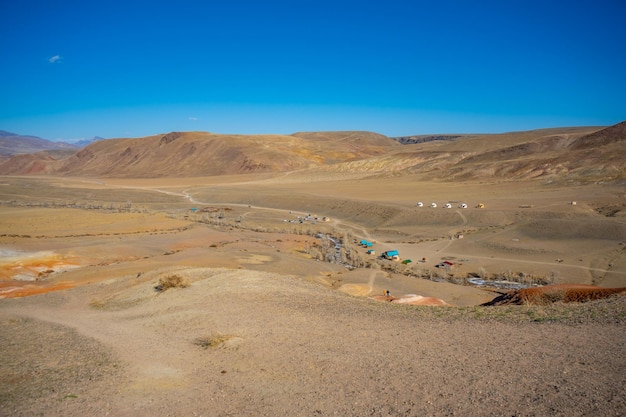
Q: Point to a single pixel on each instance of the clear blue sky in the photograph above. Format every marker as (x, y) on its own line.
(76, 69)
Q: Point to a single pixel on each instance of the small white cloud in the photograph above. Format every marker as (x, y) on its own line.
(193, 118)
(55, 59)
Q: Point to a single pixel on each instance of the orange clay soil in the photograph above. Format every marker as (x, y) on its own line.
(22, 289)
(551, 293)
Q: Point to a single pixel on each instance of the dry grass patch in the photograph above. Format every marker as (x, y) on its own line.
(171, 281)
(214, 340)
(98, 303)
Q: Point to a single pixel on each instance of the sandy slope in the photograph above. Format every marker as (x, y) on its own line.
(286, 347)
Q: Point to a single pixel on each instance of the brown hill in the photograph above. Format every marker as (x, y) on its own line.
(615, 134)
(586, 154)
(35, 163)
(579, 155)
(205, 154)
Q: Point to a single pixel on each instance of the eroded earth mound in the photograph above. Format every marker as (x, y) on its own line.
(567, 293)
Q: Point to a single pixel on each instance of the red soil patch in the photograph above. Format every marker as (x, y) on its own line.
(567, 293)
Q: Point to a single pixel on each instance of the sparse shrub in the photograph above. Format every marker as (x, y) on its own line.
(215, 340)
(314, 253)
(171, 281)
(554, 277)
(97, 304)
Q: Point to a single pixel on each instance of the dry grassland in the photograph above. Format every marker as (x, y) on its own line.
(226, 296)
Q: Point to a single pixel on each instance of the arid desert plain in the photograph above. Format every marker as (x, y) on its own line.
(249, 293)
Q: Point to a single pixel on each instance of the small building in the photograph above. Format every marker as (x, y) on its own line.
(445, 265)
(371, 252)
(391, 254)
(480, 205)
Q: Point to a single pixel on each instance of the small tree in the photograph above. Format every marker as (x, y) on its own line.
(482, 273)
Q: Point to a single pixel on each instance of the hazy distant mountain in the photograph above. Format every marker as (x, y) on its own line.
(16, 144)
(84, 142)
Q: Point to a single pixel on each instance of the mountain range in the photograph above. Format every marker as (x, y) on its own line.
(576, 154)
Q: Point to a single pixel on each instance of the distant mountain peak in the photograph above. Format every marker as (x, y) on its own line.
(16, 144)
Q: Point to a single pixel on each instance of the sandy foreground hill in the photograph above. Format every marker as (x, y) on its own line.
(247, 293)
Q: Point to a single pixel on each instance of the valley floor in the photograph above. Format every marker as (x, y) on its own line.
(264, 328)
